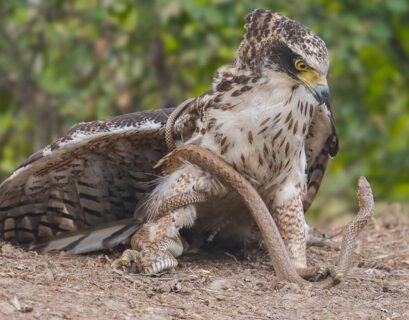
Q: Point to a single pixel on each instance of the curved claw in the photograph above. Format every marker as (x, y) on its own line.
(128, 257)
(147, 261)
(338, 278)
(323, 273)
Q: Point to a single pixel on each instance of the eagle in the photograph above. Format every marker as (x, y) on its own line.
(267, 115)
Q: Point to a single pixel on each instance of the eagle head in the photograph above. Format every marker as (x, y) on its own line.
(276, 43)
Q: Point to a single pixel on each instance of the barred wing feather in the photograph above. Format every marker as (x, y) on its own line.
(92, 178)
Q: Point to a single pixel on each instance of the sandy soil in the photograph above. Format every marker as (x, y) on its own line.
(209, 285)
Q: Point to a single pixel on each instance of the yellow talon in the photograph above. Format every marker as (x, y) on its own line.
(340, 277)
(125, 261)
(128, 256)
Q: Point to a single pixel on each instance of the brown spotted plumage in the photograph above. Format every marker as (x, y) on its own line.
(96, 174)
(267, 115)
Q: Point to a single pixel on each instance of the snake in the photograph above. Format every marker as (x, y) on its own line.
(284, 269)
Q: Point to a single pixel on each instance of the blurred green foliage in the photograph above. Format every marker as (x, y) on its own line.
(62, 62)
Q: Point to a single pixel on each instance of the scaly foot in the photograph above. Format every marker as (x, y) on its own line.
(148, 261)
(152, 259)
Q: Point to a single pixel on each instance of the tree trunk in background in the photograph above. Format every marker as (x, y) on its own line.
(162, 72)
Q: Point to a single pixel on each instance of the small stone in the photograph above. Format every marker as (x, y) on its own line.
(220, 284)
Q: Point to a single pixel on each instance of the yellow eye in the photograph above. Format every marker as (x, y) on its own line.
(300, 65)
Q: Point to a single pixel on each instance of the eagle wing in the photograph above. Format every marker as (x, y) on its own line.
(80, 193)
(93, 176)
(321, 143)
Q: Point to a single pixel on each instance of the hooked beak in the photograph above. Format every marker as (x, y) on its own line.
(316, 84)
(320, 93)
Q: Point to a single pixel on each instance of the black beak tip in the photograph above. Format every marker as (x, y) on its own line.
(321, 93)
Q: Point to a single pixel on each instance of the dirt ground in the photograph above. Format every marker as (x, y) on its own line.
(209, 285)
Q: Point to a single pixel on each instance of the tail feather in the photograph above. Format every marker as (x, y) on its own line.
(87, 240)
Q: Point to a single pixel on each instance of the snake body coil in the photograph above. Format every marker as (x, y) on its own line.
(283, 267)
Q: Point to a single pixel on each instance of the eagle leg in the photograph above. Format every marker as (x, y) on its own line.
(289, 216)
(288, 213)
(152, 259)
(156, 244)
(171, 207)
